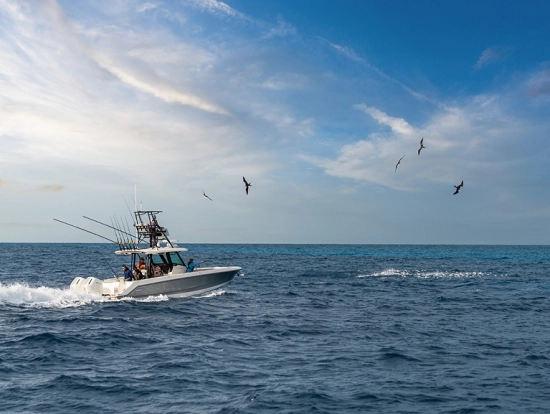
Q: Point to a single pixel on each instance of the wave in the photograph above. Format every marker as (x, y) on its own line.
(421, 274)
(21, 294)
(214, 293)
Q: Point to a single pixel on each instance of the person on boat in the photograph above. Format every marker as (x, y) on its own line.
(127, 273)
(141, 265)
(137, 273)
(191, 265)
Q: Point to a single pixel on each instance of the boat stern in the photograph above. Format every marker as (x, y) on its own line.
(94, 286)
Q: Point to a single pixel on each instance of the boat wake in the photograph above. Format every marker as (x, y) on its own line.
(21, 294)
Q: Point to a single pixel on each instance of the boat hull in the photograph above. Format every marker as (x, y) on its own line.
(182, 285)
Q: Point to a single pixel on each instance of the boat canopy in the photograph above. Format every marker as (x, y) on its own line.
(152, 250)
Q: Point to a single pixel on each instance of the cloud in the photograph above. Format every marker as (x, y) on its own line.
(156, 87)
(348, 52)
(352, 55)
(398, 125)
(216, 7)
(53, 188)
(475, 140)
(281, 30)
(147, 6)
(136, 77)
(539, 84)
(492, 55)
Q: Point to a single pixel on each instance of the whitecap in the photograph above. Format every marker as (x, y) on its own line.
(387, 272)
(422, 274)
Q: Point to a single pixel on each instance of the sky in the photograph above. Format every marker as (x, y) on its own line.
(109, 105)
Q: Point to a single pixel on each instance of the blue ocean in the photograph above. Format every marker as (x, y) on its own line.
(304, 329)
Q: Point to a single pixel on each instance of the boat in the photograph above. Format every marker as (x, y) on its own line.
(159, 268)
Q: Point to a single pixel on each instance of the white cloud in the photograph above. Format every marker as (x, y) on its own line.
(461, 142)
(282, 29)
(147, 6)
(348, 52)
(398, 125)
(216, 7)
(491, 55)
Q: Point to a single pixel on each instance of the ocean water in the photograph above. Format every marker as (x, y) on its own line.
(306, 329)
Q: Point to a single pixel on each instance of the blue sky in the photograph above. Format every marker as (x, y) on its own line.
(313, 101)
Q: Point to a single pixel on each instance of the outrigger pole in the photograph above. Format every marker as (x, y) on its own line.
(106, 225)
(87, 231)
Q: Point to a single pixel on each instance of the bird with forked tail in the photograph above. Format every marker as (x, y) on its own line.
(458, 187)
(399, 162)
(421, 146)
(246, 184)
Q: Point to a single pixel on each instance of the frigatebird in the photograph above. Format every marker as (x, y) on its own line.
(204, 194)
(421, 146)
(247, 184)
(399, 162)
(458, 187)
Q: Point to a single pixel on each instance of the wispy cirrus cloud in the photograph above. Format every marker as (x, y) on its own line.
(137, 77)
(282, 29)
(217, 7)
(352, 55)
(492, 55)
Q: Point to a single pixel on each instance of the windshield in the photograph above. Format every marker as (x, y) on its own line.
(168, 258)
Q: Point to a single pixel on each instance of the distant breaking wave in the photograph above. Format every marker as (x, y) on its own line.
(420, 274)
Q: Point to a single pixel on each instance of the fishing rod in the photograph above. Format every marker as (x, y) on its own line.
(106, 225)
(127, 241)
(87, 231)
(127, 227)
(118, 234)
(111, 269)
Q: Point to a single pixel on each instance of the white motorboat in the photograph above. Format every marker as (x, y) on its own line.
(161, 271)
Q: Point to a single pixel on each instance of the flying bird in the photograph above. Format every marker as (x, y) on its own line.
(421, 146)
(399, 162)
(246, 184)
(204, 194)
(458, 187)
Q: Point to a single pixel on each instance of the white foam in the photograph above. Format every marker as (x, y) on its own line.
(214, 293)
(158, 298)
(421, 274)
(42, 296)
(387, 272)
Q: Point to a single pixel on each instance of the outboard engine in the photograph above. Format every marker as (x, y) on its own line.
(93, 286)
(78, 284)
